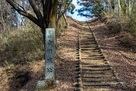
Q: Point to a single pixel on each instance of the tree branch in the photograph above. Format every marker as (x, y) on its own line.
(23, 12)
(62, 13)
(37, 12)
(47, 11)
(45, 8)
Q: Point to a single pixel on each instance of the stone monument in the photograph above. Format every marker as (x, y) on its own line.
(49, 80)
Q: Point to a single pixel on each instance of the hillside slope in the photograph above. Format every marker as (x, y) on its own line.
(121, 59)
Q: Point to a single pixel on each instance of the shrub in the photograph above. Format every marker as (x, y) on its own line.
(128, 41)
(20, 47)
(132, 26)
(114, 26)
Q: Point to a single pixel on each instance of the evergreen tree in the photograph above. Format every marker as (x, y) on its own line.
(91, 8)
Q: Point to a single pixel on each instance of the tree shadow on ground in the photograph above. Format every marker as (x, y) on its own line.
(19, 79)
(122, 64)
(64, 67)
(24, 76)
(64, 72)
(21, 49)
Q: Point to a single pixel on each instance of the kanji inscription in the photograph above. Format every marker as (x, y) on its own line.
(49, 53)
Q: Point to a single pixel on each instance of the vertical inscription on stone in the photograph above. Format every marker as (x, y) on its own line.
(49, 53)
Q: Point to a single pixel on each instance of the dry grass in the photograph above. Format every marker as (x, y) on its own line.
(22, 64)
(22, 53)
(122, 59)
(18, 50)
(124, 27)
(20, 47)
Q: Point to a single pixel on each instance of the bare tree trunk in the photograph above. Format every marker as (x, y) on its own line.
(109, 6)
(65, 18)
(129, 7)
(117, 7)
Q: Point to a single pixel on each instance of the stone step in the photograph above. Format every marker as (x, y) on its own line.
(93, 58)
(91, 50)
(90, 38)
(88, 46)
(96, 66)
(86, 35)
(97, 89)
(93, 62)
(97, 80)
(97, 73)
(102, 84)
(103, 76)
(91, 53)
(91, 46)
(94, 48)
(89, 71)
(85, 55)
(88, 43)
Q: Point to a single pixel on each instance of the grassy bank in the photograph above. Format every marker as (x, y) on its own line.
(125, 28)
(21, 46)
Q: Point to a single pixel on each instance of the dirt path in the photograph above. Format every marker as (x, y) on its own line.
(122, 60)
(96, 72)
(66, 59)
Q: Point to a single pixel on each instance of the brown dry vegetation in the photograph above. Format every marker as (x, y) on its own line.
(20, 72)
(121, 58)
(24, 77)
(124, 27)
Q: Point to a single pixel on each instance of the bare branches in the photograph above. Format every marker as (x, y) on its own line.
(65, 5)
(43, 10)
(19, 9)
(37, 12)
(47, 10)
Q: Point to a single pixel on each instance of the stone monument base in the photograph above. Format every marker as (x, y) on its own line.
(44, 85)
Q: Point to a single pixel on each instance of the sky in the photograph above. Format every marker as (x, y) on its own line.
(75, 15)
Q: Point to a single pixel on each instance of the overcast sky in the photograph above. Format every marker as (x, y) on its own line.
(75, 15)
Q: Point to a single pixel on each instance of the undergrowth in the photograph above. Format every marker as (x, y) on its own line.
(124, 27)
(21, 46)
(61, 26)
